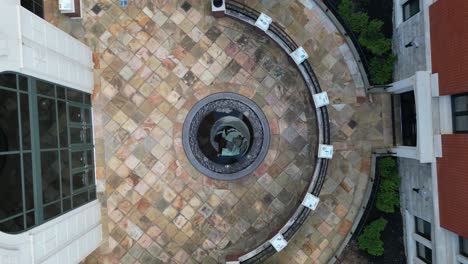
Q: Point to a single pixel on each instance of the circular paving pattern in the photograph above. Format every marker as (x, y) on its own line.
(226, 136)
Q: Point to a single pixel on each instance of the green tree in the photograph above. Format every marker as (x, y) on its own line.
(371, 38)
(370, 239)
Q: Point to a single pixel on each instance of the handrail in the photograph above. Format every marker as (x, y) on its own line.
(330, 9)
(248, 15)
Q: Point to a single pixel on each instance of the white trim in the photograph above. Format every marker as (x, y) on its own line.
(427, 32)
(409, 228)
(462, 259)
(423, 100)
(435, 84)
(405, 152)
(402, 86)
(438, 145)
(417, 260)
(440, 248)
(426, 242)
(445, 115)
(68, 238)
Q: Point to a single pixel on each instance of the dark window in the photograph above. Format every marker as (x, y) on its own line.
(460, 113)
(35, 128)
(35, 6)
(464, 246)
(423, 228)
(410, 8)
(424, 253)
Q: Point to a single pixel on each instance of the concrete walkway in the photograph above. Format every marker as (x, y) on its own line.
(153, 61)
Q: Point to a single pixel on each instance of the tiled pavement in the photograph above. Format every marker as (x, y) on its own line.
(154, 60)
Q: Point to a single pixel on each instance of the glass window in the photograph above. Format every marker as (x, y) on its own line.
(47, 122)
(423, 228)
(424, 253)
(464, 246)
(35, 6)
(410, 8)
(56, 134)
(460, 113)
(50, 176)
(8, 80)
(9, 128)
(11, 200)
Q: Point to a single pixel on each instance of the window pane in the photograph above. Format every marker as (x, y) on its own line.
(424, 253)
(66, 204)
(25, 122)
(461, 123)
(75, 114)
(92, 194)
(50, 176)
(65, 173)
(47, 123)
(52, 210)
(410, 8)
(74, 95)
(79, 180)
(76, 136)
(60, 92)
(89, 136)
(423, 228)
(23, 83)
(8, 80)
(80, 199)
(78, 160)
(63, 129)
(30, 220)
(28, 181)
(27, 4)
(90, 177)
(87, 99)
(460, 103)
(11, 200)
(89, 157)
(13, 226)
(464, 246)
(87, 115)
(45, 88)
(9, 131)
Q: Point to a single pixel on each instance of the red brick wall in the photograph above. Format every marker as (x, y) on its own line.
(449, 44)
(452, 177)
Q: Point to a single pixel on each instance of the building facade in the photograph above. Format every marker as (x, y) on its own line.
(430, 104)
(48, 208)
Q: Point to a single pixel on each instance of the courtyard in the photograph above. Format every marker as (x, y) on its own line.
(154, 60)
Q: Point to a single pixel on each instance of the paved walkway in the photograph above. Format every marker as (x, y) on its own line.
(154, 60)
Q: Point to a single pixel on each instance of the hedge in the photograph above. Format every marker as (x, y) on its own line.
(370, 239)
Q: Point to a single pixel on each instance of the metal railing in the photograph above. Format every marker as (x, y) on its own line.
(248, 15)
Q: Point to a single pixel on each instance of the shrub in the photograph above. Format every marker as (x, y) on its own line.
(388, 167)
(370, 239)
(388, 197)
(387, 201)
(371, 38)
(381, 69)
